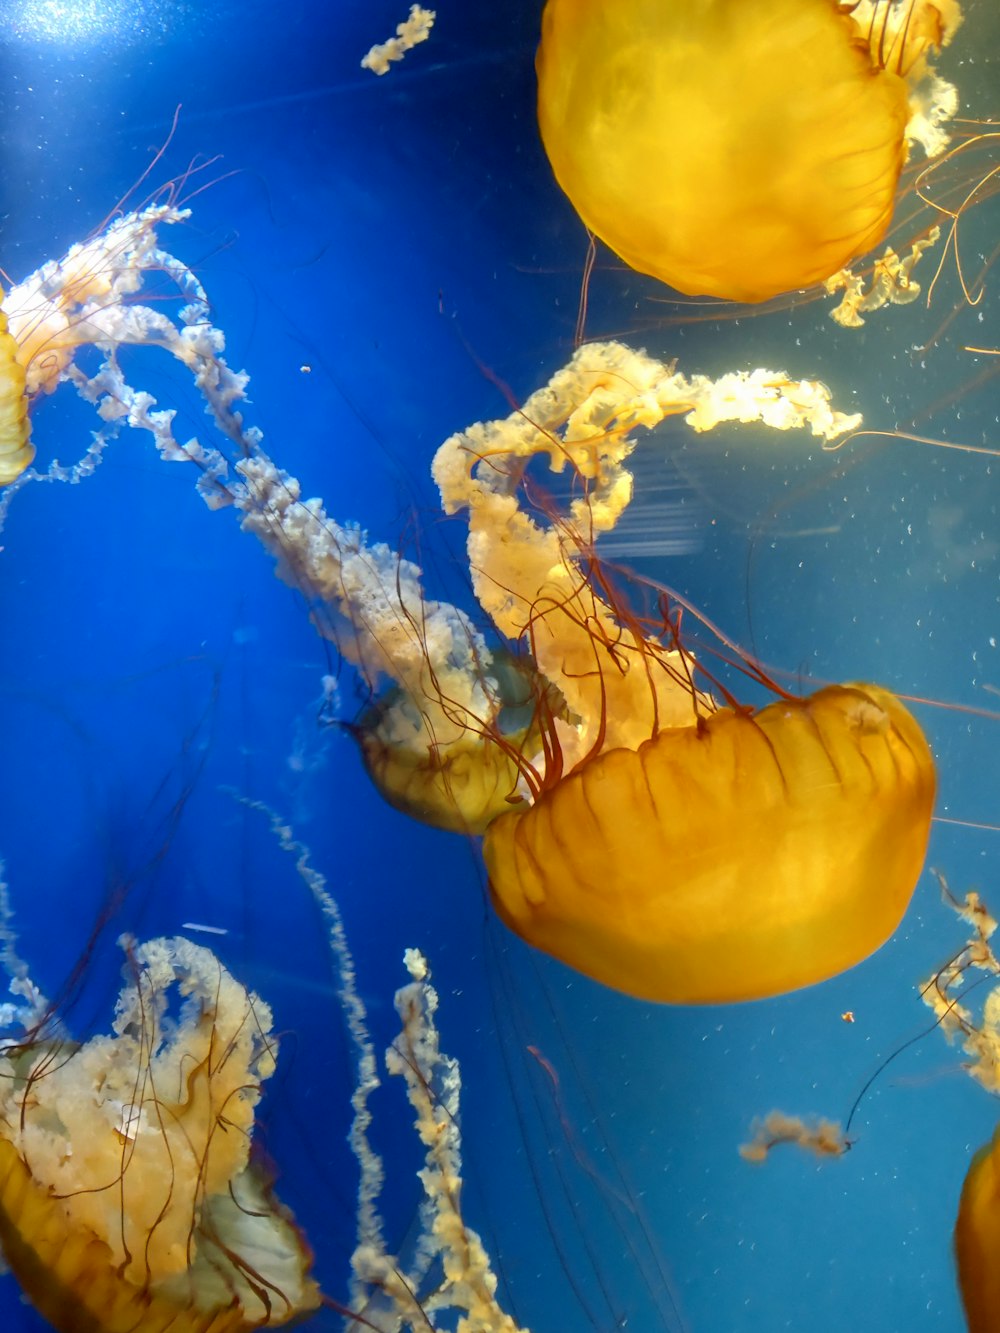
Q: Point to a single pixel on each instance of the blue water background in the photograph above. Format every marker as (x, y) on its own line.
(403, 239)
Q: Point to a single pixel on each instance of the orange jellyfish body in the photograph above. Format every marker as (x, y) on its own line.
(128, 1197)
(977, 1240)
(731, 148)
(73, 1281)
(16, 451)
(745, 856)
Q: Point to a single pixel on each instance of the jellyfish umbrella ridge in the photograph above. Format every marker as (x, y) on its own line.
(747, 855)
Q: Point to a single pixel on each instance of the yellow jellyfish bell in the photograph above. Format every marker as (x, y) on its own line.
(977, 1240)
(463, 785)
(16, 451)
(747, 855)
(733, 148)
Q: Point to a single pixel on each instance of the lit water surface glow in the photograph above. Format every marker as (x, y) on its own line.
(391, 260)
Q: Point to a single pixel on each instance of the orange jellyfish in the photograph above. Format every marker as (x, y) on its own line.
(977, 1239)
(739, 148)
(668, 846)
(747, 854)
(128, 1196)
(15, 429)
(131, 1195)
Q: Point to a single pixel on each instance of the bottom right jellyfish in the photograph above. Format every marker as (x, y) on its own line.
(977, 1240)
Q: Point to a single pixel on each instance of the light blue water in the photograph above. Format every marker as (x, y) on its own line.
(397, 235)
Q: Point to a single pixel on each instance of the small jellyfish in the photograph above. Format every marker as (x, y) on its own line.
(737, 148)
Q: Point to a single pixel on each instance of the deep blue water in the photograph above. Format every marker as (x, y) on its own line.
(398, 236)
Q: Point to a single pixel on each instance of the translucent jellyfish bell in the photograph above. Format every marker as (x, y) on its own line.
(734, 148)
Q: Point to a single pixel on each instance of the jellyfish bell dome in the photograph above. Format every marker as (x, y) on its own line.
(977, 1230)
(733, 148)
(747, 855)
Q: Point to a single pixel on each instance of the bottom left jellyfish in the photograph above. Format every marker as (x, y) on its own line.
(130, 1194)
(128, 1197)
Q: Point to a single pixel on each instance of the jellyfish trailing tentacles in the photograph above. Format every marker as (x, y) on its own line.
(451, 741)
(673, 848)
(968, 1013)
(130, 1192)
(739, 148)
(771, 850)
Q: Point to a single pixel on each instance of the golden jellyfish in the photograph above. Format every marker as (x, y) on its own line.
(665, 845)
(131, 1194)
(977, 1239)
(128, 1195)
(670, 847)
(748, 854)
(739, 148)
(15, 429)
